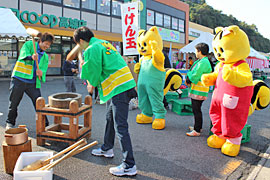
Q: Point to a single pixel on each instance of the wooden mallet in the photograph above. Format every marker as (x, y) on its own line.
(73, 152)
(44, 161)
(73, 53)
(34, 33)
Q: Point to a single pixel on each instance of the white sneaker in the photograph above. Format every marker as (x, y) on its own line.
(191, 128)
(122, 171)
(193, 133)
(9, 126)
(100, 152)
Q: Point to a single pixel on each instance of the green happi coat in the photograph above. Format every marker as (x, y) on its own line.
(24, 68)
(195, 73)
(106, 69)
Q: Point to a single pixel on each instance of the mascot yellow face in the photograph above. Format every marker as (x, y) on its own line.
(144, 39)
(230, 44)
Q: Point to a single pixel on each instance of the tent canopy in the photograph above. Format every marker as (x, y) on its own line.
(254, 53)
(10, 25)
(205, 37)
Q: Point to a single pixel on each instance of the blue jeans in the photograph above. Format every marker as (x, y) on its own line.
(70, 83)
(117, 113)
(17, 89)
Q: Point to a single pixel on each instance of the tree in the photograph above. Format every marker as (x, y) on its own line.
(201, 13)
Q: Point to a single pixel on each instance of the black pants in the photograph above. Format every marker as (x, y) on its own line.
(165, 102)
(17, 89)
(196, 108)
(96, 93)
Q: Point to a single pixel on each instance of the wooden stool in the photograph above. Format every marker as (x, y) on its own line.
(12, 152)
(53, 132)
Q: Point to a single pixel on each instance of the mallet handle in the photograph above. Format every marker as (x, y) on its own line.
(35, 51)
(66, 150)
(86, 147)
(71, 153)
(73, 53)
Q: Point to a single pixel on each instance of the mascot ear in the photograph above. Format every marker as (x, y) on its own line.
(154, 29)
(233, 29)
(217, 29)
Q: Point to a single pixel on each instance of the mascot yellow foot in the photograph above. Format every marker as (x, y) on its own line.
(143, 119)
(158, 124)
(230, 149)
(215, 142)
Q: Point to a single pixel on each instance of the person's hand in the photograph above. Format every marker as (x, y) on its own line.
(35, 57)
(81, 63)
(188, 84)
(73, 70)
(76, 71)
(90, 88)
(39, 72)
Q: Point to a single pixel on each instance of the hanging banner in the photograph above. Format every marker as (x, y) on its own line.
(130, 16)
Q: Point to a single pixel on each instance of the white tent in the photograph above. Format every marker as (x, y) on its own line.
(254, 53)
(257, 60)
(10, 25)
(205, 37)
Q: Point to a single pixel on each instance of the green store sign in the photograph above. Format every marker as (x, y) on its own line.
(169, 35)
(48, 20)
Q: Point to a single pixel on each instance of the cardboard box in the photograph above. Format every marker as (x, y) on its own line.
(27, 158)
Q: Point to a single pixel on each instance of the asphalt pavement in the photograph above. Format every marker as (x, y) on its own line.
(159, 154)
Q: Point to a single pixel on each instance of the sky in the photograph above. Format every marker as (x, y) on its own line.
(251, 11)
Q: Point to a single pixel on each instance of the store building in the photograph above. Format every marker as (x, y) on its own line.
(195, 31)
(61, 17)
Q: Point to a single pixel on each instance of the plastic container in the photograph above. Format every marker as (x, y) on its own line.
(182, 107)
(245, 132)
(171, 95)
(27, 158)
(185, 92)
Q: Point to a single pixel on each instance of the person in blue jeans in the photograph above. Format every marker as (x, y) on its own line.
(26, 77)
(69, 69)
(105, 68)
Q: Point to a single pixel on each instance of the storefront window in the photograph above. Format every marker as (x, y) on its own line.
(181, 25)
(8, 56)
(89, 4)
(150, 17)
(174, 23)
(167, 21)
(104, 6)
(159, 19)
(56, 1)
(116, 8)
(72, 3)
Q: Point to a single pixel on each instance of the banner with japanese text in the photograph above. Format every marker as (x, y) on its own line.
(130, 28)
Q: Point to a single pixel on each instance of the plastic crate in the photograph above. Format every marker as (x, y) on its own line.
(245, 132)
(182, 107)
(171, 95)
(184, 92)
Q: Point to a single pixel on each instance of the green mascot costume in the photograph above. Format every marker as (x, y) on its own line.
(151, 78)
